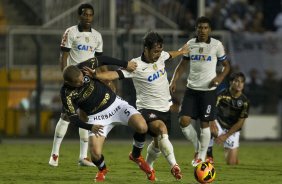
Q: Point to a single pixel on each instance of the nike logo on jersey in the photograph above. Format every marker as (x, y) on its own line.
(200, 58)
(144, 68)
(156, 75)
(206, 115)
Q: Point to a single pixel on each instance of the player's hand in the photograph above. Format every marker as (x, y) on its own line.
(88, 71)
(97, 130)
(184, 49)
(214, 129)
(172, 87)
(215, 82)
(131, 66)
(221, 139)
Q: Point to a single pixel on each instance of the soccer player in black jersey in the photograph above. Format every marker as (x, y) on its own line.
(232, 108)
(103, 108)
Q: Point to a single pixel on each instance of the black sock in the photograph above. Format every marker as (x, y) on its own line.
(209, 152)
(100, 163)
(139, 140)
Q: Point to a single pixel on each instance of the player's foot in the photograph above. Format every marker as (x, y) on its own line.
(54, 160)
(176, 172)
(210, 160)
(86, 162)
(101, 175)
(197, 162)
(152, 175)
(143, 165)
(195, 158)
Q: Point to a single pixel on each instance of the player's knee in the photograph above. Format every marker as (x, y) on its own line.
(61, 128)
(141, 127)
(184, 121)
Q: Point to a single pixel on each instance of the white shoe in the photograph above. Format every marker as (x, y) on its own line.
(196, 162)
(54, 160)
(86, 162)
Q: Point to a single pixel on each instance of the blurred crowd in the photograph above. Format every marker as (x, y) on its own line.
(233, 15)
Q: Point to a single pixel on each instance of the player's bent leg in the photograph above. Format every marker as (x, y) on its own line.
(231, 156)
(138, 123)
(60, 131)
(83, 159)
(96, 147)
(190, 134)
(153, 152)
(167, 150)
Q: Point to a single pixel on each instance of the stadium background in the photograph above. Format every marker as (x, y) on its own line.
(30, 35)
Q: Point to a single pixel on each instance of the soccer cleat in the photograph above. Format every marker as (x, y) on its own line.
(143, 165)
(101, 175)
(197, 162)
(86, 162)
(210, 160)
(176, 172)
(54, 160)
(151, 176)
(195, 158)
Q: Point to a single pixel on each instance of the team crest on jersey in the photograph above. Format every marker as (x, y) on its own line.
(201, 49)
(86, 79)
(239, 103)
(87, 39)
(155, 67)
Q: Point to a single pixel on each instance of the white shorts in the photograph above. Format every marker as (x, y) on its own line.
(232, 141)
(118, 113)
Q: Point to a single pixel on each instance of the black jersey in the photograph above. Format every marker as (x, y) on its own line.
(93, 96)
(230, 109)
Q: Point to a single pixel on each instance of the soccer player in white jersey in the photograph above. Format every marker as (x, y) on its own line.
(153, 100)
(200, 96)
(79, 43)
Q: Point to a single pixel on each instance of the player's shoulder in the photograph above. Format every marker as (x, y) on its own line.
(94, 31)
(245, 98)
(215, 41)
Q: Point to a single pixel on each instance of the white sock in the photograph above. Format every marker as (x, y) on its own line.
(166, 149)
(60, 132)
(152, 154)
(83, 134)
(205, 140)
(190, 134)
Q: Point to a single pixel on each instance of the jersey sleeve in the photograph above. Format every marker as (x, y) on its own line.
(165, 56)
(100, 44)
(220, 54)
(245, 111)
(127, 74)
(67, 39)
(67, 100)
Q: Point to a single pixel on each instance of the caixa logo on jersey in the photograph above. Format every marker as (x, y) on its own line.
(200, 58)
(156, 75)
(85, 48)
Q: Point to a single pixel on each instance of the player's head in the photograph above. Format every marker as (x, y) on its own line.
(237, 81)
(203, 28)
(153, 46)
(73, 76)
(86, 15)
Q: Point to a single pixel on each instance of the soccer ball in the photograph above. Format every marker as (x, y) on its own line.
(204, 172)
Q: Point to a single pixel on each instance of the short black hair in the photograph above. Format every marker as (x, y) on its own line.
(203, 20)
(70, 73)
(151, 39)
(83, 6)
(236, 75)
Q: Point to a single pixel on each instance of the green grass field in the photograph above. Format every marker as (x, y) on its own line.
(27, 162)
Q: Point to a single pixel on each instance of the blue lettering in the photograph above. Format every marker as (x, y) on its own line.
(200, 58)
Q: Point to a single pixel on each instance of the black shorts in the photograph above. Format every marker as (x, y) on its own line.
(199, 104)
(152, 115)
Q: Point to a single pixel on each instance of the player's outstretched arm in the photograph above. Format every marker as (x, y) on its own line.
(183, 50)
